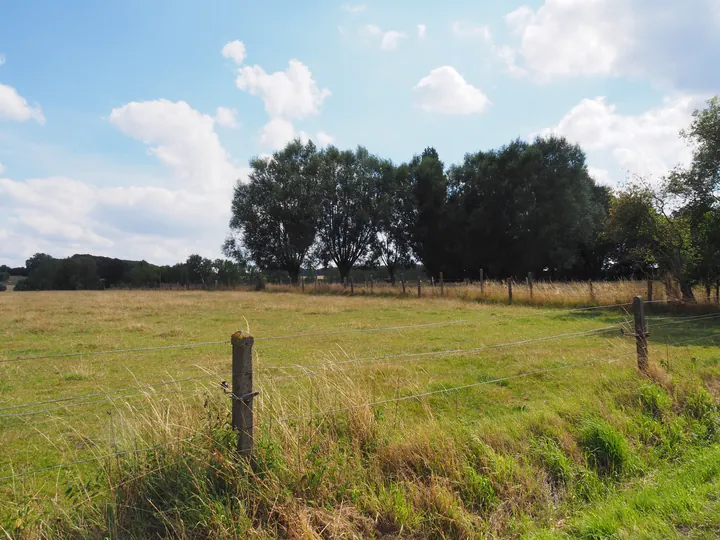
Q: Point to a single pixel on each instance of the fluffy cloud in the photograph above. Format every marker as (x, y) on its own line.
(278, 132)
(421, 30)
(288, 94)
(235, 51)
(2, 168)
(663, 40)
(647, 144)
(445, 91)
(180, 137)
(390, 39)
(15, 107)
(226, 117)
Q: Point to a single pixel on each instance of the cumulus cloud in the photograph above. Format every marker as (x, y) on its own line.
(226, 117)
(389, 40)
(662, 40)
(15, 107)
(278, 132)
(288, 94)
(421, 30)
(181, 138)
(235, 51)
(647, 144)
(445, 91)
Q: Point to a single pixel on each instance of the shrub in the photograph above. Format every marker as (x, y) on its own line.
(3, 287)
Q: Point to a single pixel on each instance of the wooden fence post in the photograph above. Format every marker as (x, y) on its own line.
(402, 280)
(640, 334)
(482, 282)
(592, 291)
(509, 285)
(649, 290)
(530, 284)
(419, 288)
(372, 284)
(302, 283)
(352, 286)
(442, 285)
(242, 391)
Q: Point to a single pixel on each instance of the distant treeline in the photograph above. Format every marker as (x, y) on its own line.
(44, 272)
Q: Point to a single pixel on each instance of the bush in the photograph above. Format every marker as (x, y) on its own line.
(605, 447)
(3, 287)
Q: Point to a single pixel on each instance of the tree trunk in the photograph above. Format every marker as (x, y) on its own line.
(686, 290)
(391, 271)
(344, 270)
(708, 289)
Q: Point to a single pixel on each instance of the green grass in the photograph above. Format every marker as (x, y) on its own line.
(515, 456)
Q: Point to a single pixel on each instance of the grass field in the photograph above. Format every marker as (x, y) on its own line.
(554, 434)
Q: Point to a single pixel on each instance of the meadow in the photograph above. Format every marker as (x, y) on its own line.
(377, 415)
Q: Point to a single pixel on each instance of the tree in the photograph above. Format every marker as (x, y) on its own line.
(277, 211)
(351, 207)
(144, 274)
(200, 270)
(228, 272)
(393, 244)
(429, 196)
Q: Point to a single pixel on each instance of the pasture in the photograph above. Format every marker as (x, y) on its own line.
(376, 416)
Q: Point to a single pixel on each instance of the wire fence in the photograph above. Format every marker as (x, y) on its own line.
(50, 407)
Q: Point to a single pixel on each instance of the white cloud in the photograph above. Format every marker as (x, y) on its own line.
(288, 94)
(647, 144)
(2, 59)
(354, 8)
(323, 139)
(445, 91)
(421, 30)
(226, 117)
(235, 51)
(388, 40)
(15, 107)
(463, 30)
(391, 39)
(663, 40)
(278, 132)
(601, 176)
(180, 137)
(2, 168)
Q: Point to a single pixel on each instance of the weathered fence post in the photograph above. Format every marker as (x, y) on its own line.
(640, 334)
(482, 282)
(530, 284)
(352, 286)
(242, 391)
(372, 284)
(302, 283)
(419, 288)
(649, 289)
(442, 285)
(509, 285)
(402, 280)
(592, 292)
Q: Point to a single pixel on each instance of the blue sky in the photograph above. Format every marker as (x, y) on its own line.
(124, 125)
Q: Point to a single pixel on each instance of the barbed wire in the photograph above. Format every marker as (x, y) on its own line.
(97, 458)
(299, 335)
(441, 391)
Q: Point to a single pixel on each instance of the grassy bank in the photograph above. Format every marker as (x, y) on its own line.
(545, 431)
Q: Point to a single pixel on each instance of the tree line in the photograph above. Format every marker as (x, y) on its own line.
(525, 207)
(44, 272)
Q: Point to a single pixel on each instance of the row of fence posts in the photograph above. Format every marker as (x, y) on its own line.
(509, 285)
(242, 375)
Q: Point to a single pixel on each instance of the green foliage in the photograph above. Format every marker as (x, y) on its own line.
(654, 400)
(605, 447)
(559, 466)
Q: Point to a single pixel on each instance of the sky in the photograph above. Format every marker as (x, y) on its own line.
(124, 125)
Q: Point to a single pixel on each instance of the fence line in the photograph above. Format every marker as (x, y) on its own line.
(441, 391)
(97, 458)
(304, 334)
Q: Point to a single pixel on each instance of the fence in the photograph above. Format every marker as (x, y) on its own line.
(242, 392)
